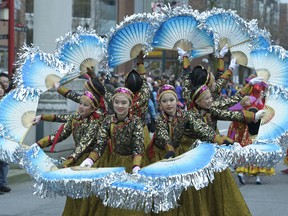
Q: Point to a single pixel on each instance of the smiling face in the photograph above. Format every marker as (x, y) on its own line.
(121, 105)
(205, 101)
(85, 109)
(168, 103)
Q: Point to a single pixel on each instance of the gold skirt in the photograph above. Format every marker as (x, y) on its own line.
(93, 206)
(254, 171)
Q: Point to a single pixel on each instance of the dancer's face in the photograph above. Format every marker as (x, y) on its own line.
(168, 103)
(121, 105)
(206, 101)
(85, 109)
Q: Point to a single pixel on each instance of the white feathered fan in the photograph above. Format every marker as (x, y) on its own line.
(126, 40)
(38, 70)
(272, 64)
(181, 29)
(17, 116)
(82, 49)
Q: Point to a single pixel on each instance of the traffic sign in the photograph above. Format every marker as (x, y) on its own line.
(21, 28)
(3, 37)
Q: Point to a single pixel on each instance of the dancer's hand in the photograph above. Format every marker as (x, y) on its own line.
(227, 143)
(256, 80)
(88, 162)
(135, 169)
(170, 154)
(68, 162)
(56, 85)
(223, 51)
(36, 120)
(232, 65)
(181, 52)
(259, 115)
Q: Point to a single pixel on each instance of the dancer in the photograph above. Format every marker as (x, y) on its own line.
(170, 127)
(200, 76)
(126, 147)
(245, 133)
(218, 197)
(136, 82)
(83, 124)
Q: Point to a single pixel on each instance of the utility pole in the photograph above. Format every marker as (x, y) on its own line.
(11, 37)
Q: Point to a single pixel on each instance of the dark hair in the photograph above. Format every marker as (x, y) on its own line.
(4, 75)
(95, 87)
(198, 76)
(133, 81)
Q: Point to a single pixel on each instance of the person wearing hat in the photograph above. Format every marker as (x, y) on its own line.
(84, 125)
(167, 142)
(136, 82)
(245, 132)
(92, 85)
(126, 148)
(201, 76)
(170, 127)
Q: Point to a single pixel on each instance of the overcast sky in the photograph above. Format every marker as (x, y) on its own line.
(284, 1)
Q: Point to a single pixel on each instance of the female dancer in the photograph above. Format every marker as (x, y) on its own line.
(200, 76)
(136, 82)
(83, 124)
(244, 132)
(222, 197)
(170, 127)
(126, 148)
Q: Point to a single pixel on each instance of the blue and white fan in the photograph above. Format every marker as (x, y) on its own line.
(274, 124)
(126, 40)
(183, 31)
(10, 151)
(272, 64)
(82, 49)
(191, 165)
(72, 182)
(258, 39)
(17, 116)
(38, 70)
(230, 29)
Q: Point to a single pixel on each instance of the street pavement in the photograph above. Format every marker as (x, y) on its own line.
(267, 199)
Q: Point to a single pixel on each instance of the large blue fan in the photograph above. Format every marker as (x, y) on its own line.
(39, 70)
(9, 151)
(272, 64)
(127, 40)
(83, 49)
(274, 123)
(84, 182)
(232, 30)
(16, 116)
(183, 31)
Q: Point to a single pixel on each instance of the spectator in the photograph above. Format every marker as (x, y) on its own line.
(4, 167)
(178, 89)
(5, 80)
